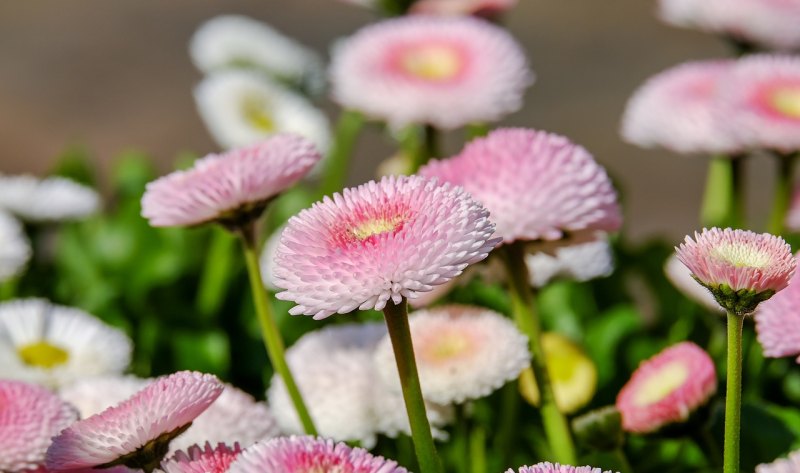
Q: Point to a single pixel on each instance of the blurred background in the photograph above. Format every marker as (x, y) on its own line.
(114, 76)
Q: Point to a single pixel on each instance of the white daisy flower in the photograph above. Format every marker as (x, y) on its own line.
(15, 250)
(95, 394)
(578, 262)
(55, 345)
(240, 108)
(49, 199)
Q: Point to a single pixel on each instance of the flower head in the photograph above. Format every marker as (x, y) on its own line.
(15, 250)
(667, 388)
(678, 110)
(55, 345)
(230, 188)
(778, 322)
(462, 353)
(93, 395)
(136, 433)
(790, 464)
(443, 71)
(681, 277)
(29, 416)
(382, 240)
(462, 7)
(50, 199)
(739, 267)
(537, 185)
(578, 262)
(309, 454)
(547, 467)
(206, 459)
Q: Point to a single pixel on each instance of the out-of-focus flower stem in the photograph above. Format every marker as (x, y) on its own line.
(217, 270)
(523, 306)
(622, 461)
(733, 395)
(723, 200)
(420, 143)
(338, 163)
(477, 450)
(782, 196)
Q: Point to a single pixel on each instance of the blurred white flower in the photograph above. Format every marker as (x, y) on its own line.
(49, 199)
(578, 262)
(681, 277)
(15, 250)
(95, 394)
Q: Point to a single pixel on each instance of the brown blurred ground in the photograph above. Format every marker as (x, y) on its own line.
(116, 75)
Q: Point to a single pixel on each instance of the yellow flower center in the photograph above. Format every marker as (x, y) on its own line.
(787, 101)
(449, 346)
(660, 384)
(432, 62)
(741, 256)
(257, 114)
(43, 354)
(376, 226)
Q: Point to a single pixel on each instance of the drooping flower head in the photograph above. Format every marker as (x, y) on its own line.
(377, 242)
(677, 109)
(681, 277)
(667, 388)
(739, 267)
(442, 71)
(537, 185)
(462, 353)
(55, 345)
(47, 200)
(15, 249)
(92, 395)
(790, 464)
(206, 459)
(30, 416)
(307, 455)
(547, 467)
(778, 322)
(462, 7)
(230, 188)
(136, 433)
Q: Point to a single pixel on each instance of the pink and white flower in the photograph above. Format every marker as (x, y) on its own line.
(778, 322)
(547, 467)
(442, 71)
(790, 464)
(206, 459)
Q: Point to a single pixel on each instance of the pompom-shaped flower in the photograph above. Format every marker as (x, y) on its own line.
(547, 467)
(537, 185)
(677, 109)
(93, 395)
(15, 250)
(462, 7)
(667, 388)
(578, 262)
(206, 459)
(443, 71)
(30, 416)
(778, 322)
(308, 454)
(230, 188)
(739, 267)
(382, 240)
(136, 433)
(789, 464)
(681, 277)
(55, 345)
(50, 199)
(240, 108)
(462, 353)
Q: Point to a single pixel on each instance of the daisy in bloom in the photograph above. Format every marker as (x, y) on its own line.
(15, 249)
(462, 7)
(206, 459)
(537, 185)
(739, 267)
(136, 433)
(667, 388)
(578, 262)
(46, 200)
(380, 241)
(232, 188)
(93, 395)
(442, 71)
(547, 467)
(778, 322)
(54, 345)
(309, 454)
(236, 41)
(462, 353)
(677, 110)
(29, 416)
(789, 464)
(240, 108)
(681, 277)
(761, 100)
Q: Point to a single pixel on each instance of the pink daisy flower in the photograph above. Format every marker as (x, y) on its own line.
(462, 7)
(778, 322)
(537, 185)
(739, 267)
(547, 467)
(307, 454)
(232, 187)
(676, 110)
(442, 71)
(383, 240)
(30, 416)
(136, 433)
(206, 459)
(667, 388)
(790, 464)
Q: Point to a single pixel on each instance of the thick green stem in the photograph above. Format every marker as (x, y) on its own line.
(338, 162)
(523, 305)
(397, 322)
(269, 328)
(733, 395)
(723, 200)
(782, 196)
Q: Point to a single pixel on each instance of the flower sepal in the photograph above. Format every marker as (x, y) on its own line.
(148, 457)
(742, 302)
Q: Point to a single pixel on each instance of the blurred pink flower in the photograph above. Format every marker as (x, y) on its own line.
(778, 322)
(667, 388)
(137, 428)
(537, 185)
(677, 110)
(792, 221)
(206, 459)
(443, 71)
(30, 415)
(308, 454)
(229, 187)
(382, 240)
(462, 7)
(790, 464)
(547, 467)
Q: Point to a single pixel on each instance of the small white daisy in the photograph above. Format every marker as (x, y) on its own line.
(15, 249)
(55, 345)
(49, 199)
(95, 394)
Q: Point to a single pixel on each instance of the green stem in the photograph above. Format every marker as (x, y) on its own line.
(782, 196)
(477, 449)
(338, 162)
(397, 322)
(477, 130)
(506, 431)
(421, 143)
(269, 329)
(555, 423)
(217, 270)
(622, 460)
(723, 200)
(733, 395)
